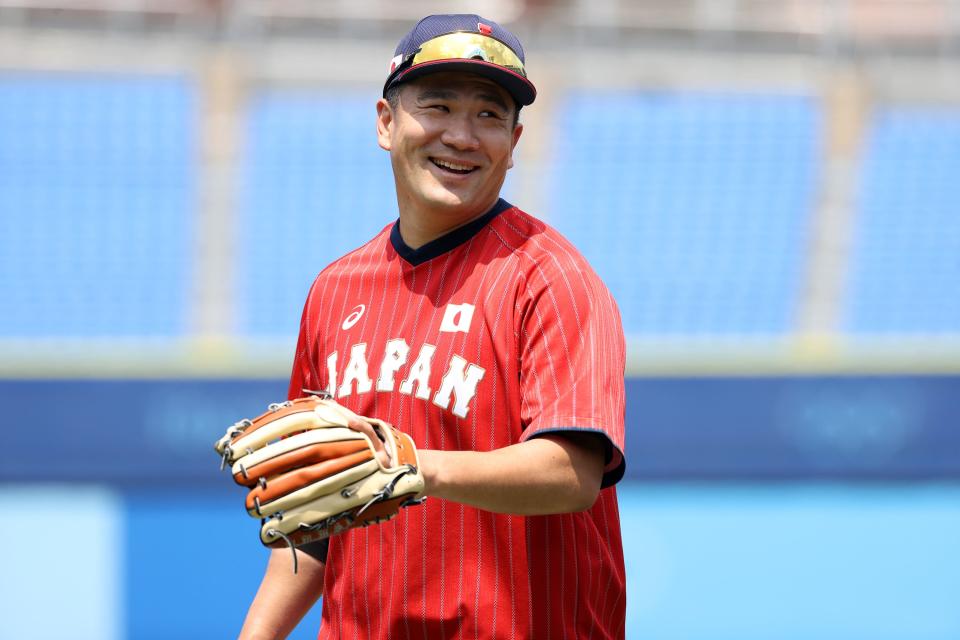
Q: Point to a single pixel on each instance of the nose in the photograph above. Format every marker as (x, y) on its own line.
(459, 134)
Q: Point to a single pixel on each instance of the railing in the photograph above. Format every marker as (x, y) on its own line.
(923, 25)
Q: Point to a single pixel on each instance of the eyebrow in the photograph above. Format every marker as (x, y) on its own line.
(447, 94)
(495, 99)
(437, 94)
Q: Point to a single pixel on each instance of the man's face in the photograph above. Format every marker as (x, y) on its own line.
(451, 139)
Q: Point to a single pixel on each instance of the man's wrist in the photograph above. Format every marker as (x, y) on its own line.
(430, 468)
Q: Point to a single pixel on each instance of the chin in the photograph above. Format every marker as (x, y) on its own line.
(447, 199)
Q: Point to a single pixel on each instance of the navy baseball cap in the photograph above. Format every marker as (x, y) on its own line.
(462, 42)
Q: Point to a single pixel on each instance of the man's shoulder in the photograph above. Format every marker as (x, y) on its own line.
(538, 243)
(360, 262)
(370, 252)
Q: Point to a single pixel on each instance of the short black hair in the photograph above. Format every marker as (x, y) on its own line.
(392, 96)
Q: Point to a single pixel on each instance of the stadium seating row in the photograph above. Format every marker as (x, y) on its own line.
(693, 207)
(98, 182)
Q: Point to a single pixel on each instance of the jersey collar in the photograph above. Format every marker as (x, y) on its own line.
(445, 242)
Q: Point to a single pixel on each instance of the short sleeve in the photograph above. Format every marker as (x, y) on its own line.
(572, 356)
(304, 373)
(300, 377)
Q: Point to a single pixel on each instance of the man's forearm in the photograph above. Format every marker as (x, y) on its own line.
(284, 597)
(550, 474)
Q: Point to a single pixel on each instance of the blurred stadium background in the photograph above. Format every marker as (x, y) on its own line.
(769, 187)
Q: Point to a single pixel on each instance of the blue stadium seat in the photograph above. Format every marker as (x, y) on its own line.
(905, 275)
(98, 179)
(692, 207)
(316, 186)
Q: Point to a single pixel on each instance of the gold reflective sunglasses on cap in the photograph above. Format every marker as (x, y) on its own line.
(466, 46)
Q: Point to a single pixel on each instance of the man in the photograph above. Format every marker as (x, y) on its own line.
(483, 334)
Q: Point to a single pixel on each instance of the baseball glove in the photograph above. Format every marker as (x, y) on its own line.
(311, 476)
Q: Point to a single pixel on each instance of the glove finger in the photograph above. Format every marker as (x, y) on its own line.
(327, 437)
(333, 412)
(327, 476)
(281, 420)
(309, 453)
(330, 485)
(343, 510)
(289, 424)
(300, 535)
(356, 487)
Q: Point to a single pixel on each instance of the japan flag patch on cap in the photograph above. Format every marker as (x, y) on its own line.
(396, 61)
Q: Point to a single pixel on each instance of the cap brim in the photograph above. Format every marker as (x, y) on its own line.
(519, 87)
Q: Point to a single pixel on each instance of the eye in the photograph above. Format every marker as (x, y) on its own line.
(489, 113)
(440, 107)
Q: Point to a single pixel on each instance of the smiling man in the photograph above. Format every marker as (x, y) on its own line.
(483, 334)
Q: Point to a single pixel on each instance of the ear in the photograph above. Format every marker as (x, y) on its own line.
(517, 130)
(384, 123)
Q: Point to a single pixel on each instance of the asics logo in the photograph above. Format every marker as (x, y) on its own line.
(354, 317)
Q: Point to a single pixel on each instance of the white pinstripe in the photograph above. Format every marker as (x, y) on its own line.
(456, 433)
(423, 515)
(493, 423)
(563, 273)
(327, 333)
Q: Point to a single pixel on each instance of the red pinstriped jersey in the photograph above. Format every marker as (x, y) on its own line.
(493, 334)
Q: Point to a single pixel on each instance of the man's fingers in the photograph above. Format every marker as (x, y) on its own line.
(383, 456)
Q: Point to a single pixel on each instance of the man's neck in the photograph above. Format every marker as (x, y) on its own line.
(417, 228)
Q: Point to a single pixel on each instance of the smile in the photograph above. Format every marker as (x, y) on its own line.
(453, 167)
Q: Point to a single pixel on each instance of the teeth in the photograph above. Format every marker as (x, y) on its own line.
(451, 165)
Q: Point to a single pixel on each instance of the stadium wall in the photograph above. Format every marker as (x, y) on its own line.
(861, 428)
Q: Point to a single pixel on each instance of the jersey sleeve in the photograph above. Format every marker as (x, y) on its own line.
(300, 377)
(304, 374)
(572, 356)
